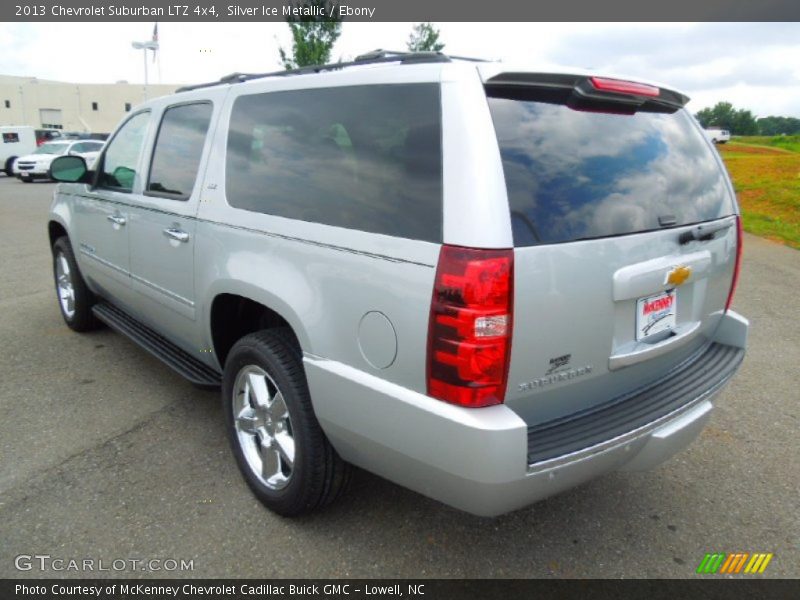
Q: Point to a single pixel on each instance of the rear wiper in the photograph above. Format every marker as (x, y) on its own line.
(703, 233)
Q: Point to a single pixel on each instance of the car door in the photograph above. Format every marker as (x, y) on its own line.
(162, 225)
(102, 210)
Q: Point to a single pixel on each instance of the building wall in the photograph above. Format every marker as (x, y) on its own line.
(85, 107)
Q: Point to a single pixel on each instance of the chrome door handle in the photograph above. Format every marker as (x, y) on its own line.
(176, 234)
(117, 219)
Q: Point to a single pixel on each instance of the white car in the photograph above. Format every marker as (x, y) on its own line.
(717, 135)
(37, 165)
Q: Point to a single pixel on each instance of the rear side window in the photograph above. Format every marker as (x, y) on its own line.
(178, 149)
(10, 138)
(361, 157)
(575, 175)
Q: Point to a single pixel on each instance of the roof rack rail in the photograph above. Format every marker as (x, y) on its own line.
(375, 57)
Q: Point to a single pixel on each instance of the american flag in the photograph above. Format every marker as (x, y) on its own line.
(155, 39)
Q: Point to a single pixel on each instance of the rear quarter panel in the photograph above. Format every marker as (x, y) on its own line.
(323, 280)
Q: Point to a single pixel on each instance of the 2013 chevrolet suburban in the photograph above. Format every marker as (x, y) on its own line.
(484, 282)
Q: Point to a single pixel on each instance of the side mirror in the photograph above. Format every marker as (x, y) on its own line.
(70, 169)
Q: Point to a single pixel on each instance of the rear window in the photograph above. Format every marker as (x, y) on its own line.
(575, 175)
(360, 157)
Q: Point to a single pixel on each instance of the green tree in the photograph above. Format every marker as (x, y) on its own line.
(725, 116)
(721, 115)
(314, 33)
(779, 126)
(424, 38)
(744, 123)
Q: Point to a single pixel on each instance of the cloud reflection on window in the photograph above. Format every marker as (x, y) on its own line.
(574, 175)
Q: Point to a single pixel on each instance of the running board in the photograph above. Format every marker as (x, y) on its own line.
(157, 345)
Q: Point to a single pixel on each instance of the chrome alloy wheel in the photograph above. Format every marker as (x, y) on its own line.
(65, 287)
(263, 427)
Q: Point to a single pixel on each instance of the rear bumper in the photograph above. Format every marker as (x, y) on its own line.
(488, 461)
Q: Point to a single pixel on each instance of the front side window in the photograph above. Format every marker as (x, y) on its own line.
(118, 169)
(360, 157)
(178, 149)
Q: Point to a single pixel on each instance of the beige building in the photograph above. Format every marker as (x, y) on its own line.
(85, 107)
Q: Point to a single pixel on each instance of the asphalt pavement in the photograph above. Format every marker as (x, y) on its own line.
(107, 455)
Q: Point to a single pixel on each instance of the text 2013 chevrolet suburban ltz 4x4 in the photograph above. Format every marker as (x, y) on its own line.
(485, 283)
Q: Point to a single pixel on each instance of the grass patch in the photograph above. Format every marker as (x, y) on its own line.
(790, 143)
(771, 228)
(767, 183)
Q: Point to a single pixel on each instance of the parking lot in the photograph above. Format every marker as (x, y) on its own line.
(105, 453)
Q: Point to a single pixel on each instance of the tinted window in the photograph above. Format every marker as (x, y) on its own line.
(179, 146)
(361, 157)
(123, 153)
(575, 175)
(10, 138)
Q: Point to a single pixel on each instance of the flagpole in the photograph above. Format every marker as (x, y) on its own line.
(156, 55)
(144, 53)
(144, 47)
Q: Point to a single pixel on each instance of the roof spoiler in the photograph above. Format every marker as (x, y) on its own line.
(583, 92)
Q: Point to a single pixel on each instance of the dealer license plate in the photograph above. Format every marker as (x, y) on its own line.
(655, 314)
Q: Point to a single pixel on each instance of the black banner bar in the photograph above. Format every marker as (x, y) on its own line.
(403, 10)
(379, 589)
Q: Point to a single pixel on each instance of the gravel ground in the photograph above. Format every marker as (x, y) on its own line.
(105, 453)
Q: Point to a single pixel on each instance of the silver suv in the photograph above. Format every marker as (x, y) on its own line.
(483, 282)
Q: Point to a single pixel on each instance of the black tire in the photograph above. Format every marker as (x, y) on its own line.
(8, 168)
(82, 317)
(318, 475)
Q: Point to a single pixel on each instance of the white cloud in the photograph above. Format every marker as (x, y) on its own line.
(753, 65)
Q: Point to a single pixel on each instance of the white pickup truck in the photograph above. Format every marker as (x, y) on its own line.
(717, 135)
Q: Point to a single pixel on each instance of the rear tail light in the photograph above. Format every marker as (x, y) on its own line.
(624, 87)
(738, 264)
(469, 333)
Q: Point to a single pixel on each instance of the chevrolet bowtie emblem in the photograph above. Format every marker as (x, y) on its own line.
(678, 275)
